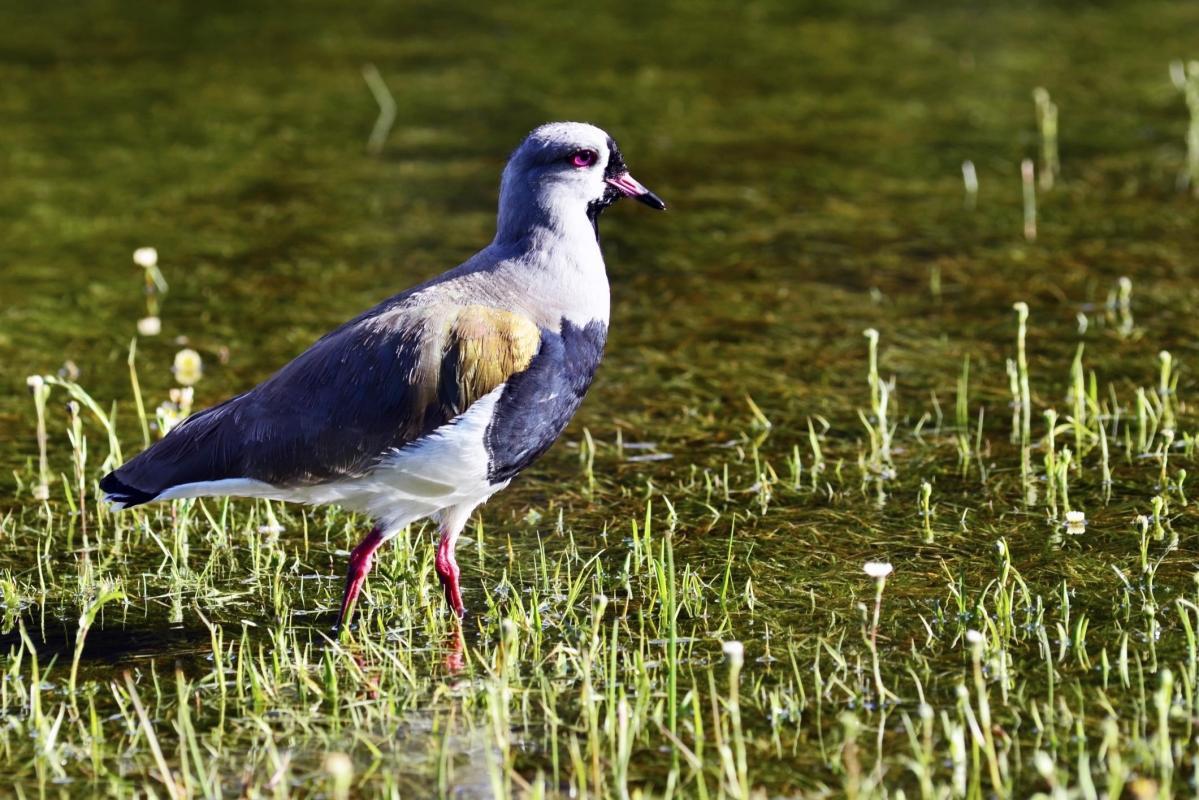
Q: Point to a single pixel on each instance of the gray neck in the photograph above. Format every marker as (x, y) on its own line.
(531, 217)
(545, 260)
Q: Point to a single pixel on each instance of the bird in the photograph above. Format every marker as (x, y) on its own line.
(435, 399)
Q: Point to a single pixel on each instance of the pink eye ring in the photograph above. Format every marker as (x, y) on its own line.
(583, 158)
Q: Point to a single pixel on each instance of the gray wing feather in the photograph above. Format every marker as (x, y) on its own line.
(374, 385)
(332, 412)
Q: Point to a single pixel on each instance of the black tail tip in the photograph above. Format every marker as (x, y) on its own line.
(120, 494)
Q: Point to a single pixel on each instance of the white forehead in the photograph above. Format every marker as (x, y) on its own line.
(561, 135)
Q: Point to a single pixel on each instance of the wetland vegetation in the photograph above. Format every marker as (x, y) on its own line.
(884, 489)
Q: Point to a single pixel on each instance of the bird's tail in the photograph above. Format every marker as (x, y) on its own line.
(195, 450)
(120, 495)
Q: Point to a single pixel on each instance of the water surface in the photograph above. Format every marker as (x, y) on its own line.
(811, 155)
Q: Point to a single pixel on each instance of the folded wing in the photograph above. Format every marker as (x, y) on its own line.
(377, 384)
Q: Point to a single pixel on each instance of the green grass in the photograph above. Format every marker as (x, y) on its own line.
(744, 452)
(642, 662)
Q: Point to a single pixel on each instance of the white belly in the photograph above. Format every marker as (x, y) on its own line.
(444, 469)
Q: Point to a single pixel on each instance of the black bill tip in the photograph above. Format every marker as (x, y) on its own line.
(652, 200)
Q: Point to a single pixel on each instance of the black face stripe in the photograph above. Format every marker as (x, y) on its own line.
(616, 166)
(616, 163)
(596, 207)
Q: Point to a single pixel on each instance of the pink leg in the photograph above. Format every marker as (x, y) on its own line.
(455, 657)
(360, 565)
(447, 568)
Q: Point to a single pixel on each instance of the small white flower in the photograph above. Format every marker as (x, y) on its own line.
(340, 770)
(974, 637)
(1044, 764)
(168, 416)
(35, 382)
(189, 367)
(145, 257)
(149, 326)
(735, 651)
(877, 569)
(183, 399)
(1076, 522)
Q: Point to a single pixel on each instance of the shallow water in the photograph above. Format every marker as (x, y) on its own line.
(811, 155)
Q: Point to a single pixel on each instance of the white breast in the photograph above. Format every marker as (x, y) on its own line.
(446, 468)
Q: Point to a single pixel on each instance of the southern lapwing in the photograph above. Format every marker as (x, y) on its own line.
(436, 398)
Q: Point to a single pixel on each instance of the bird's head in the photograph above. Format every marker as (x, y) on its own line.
(566, 172)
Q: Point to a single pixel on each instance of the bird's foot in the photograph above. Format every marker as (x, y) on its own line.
(361, 560)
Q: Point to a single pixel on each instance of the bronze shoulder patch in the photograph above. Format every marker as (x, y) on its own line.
(484, 346)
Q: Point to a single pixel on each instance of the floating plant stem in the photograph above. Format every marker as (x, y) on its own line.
(970, 182)
(1078, 397)
(387, 109)
(40, 391)
(1024, 400)
(1105, 462)
(1186, 80)
(339, 769)
(1047, 127)
(878, 426)
(1163, 702)
(79, 462)
(1159, 504)
(672, 644)
(155, 285)
(962, 412)
(983, 725)
(165, 774)
(878, 570)
(1013, 374)
(1124, 306)
(1063, 478)
(587, 458)
(1166, 387)
(739, 779)
(1051, 456)
(1147, 421)
(137, 393)
(924, 503)
(1028, 179)
(77, 393)
(818, 464)
(86, 619)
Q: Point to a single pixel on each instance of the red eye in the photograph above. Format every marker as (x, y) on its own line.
(583, 158)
